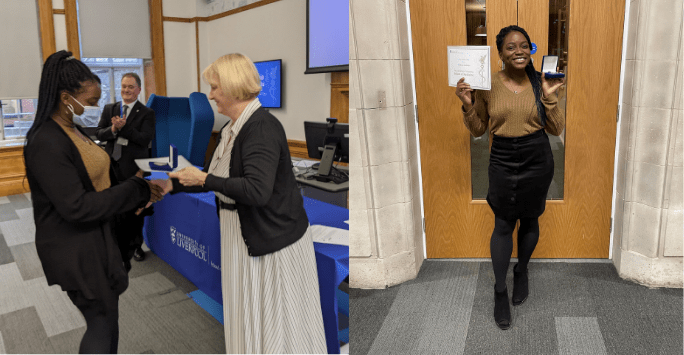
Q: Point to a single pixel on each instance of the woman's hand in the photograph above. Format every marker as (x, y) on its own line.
(156, 195)
(166, 185)
(549, 86)
(464, 92)
(190, 176)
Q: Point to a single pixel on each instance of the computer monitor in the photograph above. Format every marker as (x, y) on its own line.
(327, 141)
(270, 74)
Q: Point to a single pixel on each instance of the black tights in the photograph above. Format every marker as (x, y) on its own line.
(501, 246)
(102, 321)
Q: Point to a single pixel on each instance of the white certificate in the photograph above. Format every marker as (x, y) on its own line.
(471, 63)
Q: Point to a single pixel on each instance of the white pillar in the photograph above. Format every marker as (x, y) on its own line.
(647, 243)
(386, 246)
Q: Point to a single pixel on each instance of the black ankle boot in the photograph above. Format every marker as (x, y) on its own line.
(502, 310)
(520, 290)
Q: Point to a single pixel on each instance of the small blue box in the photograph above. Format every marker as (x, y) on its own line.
(171, 164)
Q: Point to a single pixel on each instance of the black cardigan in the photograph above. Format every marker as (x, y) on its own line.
(269, 204)
(74, 237)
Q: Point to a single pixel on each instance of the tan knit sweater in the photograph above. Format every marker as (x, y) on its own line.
(508, 114)
(95, 159)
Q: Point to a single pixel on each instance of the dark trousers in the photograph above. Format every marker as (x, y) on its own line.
(102, 322)
(129, 233)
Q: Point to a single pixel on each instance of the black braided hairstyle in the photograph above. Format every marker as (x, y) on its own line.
(61, 72)
(533, 75)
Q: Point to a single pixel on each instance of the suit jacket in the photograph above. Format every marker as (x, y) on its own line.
(269, 204)
(139, 130)
(74, 237)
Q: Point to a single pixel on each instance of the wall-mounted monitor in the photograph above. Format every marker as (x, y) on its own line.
(327, 36)
(270, 73)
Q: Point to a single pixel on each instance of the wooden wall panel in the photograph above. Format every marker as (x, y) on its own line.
(533, 17)
(339, 96)
(500, 14)
(436, 25)
(12, 171)
(197, 53)
(71, 17)
(157, 39)
(298, 149)
(47, 28)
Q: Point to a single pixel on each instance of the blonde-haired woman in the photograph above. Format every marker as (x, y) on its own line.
(271, 302)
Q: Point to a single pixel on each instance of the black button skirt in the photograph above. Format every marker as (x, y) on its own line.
(520, 173)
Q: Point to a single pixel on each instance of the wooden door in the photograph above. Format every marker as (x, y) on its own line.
(578, 226)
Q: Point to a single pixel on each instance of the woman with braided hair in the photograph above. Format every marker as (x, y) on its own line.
(519, 110)
(75, 197)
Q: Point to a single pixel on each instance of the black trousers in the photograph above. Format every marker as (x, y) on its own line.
(129, 233)
(102, 322)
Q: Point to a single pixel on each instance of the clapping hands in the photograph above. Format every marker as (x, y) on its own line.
(118, 123)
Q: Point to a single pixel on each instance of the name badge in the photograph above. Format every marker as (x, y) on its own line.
(122, 141)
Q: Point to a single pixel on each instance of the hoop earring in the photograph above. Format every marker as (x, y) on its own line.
(501, 64)
(71, 108)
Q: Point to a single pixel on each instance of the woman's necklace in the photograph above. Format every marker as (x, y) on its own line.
(72, 126)
(514, 85)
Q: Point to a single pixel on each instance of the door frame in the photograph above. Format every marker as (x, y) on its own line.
(617, 137)
(623, 60)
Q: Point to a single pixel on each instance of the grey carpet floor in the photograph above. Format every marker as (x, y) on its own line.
(156, 315)
(573, 308)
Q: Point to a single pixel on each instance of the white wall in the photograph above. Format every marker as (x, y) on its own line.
(219, 6)
(180, 49)
(60, 32)
(273, 31)
(181, 58)
(179, 8)
(59, 21)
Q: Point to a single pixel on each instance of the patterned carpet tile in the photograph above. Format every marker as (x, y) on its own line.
(431, 316)
(572, 308)
(2, 345)
(27, 261)
(20, 202)
(67, 342)
(6, 256)
(154, 264)
(156, 314)
(19, 231)
(7, 212)
(579, 335)
(165, 322)
(54, 307)
(14, 289)
(23, 332)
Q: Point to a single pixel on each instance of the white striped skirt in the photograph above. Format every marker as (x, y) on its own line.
(271, 303)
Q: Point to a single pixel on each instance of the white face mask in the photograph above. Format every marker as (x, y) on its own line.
(89, 117)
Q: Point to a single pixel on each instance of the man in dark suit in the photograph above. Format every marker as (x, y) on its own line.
(128, 128)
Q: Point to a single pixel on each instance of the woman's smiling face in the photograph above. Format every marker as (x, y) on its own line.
(515, 51)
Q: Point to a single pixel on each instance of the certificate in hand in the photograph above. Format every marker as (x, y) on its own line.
(471, 63)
